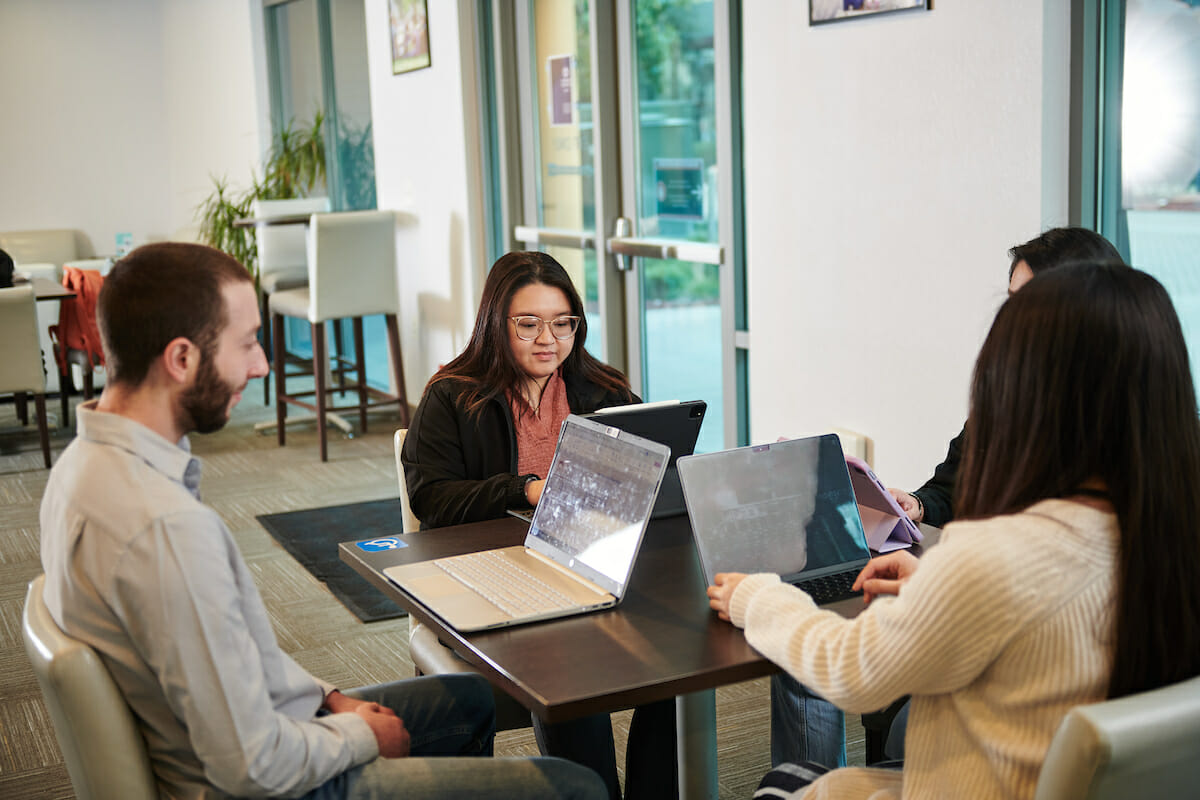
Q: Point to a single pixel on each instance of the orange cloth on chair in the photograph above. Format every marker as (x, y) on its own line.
(77, 328)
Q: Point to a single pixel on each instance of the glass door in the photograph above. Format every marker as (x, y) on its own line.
(627, 136)
(560, 155)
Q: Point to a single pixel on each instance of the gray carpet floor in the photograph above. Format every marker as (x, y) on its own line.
(247, 474)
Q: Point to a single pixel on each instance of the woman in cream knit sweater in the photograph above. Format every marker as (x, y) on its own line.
(1072, 577)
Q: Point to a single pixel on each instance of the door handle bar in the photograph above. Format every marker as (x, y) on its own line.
(671, 249)
(555, 237)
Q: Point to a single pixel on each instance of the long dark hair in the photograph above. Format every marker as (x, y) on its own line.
(1085, 376)
(487, 366)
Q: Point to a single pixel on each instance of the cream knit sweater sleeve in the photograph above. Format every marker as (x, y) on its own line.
(950, 620)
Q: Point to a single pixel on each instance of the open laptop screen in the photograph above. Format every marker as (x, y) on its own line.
(597, 499)
(786, 508)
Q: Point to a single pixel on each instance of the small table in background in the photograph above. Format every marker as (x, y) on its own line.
(279, 219)
(46, 289)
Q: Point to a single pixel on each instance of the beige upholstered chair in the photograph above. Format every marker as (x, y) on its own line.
(56, 246)
(282, 256)
(411, 523)
(104, 751)
(1143, 745)
(42, 253)
(282, 253)
(431, 657)
(21, 369)
(351, 275)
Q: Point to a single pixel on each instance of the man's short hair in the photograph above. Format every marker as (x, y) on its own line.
(1059, 247)
(158, 293)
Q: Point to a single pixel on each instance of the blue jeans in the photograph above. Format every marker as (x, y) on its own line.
(893, 748)
(450, 718)
(804, 727)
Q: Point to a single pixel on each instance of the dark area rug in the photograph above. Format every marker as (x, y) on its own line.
(312, 537)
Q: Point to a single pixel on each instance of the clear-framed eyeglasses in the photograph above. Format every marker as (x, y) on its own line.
(529, 328)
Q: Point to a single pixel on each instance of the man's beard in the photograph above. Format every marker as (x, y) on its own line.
(204, 407)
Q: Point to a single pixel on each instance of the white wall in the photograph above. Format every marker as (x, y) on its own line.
(426, 165)
(215, 125)
(890, 163)
(114, 114)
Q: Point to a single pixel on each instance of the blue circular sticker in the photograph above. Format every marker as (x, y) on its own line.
(386, 543)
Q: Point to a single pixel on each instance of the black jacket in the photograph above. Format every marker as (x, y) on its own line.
(937, 495)
(462, 468)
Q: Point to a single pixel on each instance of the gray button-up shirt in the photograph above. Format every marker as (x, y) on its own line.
(141, 570)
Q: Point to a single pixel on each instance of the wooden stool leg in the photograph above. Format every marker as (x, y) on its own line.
(280, 368)
(393, 334)
(320, 359)
(265, 315)
(339, 347)
(360, 358)
(64, 394)
(39, 401)
(89, 380)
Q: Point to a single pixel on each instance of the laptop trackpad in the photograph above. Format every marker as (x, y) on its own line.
(455, 603)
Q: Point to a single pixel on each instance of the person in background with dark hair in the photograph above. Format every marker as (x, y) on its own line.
(144, 573)
(933, 503)
(806, 727)
(6, 270)
(481, 442)
(1070, 578)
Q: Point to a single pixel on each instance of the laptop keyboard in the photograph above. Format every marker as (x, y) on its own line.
(830, 588)
(501, 582)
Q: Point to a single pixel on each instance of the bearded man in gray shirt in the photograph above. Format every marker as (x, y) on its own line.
(138, 568)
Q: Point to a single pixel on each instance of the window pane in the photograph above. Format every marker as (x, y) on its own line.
(298, 63)
(355, 146)
(565, 192)
(677, 144)
(1160, 146)
(677, 199)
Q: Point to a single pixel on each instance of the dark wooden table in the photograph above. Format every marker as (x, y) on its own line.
(662, 641)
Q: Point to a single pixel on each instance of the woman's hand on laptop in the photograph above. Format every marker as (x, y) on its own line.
(719, 594)
(533, 490)
(885, 574)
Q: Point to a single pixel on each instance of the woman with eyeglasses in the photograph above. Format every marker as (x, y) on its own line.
(481, 442)
(484, 433)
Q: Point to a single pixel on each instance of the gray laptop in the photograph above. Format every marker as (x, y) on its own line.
(581, 547)
(786, 508)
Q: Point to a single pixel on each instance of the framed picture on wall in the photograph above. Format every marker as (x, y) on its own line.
(410, 35)
(822, 11)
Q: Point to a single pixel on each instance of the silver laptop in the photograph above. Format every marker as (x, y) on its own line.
(581, 547)
(786, 508)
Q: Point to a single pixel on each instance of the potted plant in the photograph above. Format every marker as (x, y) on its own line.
(295, 166)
